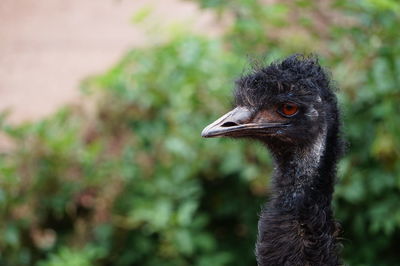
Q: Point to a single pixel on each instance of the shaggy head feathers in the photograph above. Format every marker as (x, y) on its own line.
(296, 75)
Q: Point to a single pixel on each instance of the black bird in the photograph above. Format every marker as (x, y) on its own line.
(290, 106)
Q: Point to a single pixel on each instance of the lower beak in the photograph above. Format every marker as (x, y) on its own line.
(238, 123)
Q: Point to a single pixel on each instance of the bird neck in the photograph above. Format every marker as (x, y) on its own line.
(297, 226)
(304, 175)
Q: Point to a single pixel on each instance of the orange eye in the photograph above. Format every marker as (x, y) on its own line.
(289, 109)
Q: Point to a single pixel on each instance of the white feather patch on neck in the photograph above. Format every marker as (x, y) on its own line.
(308, 159)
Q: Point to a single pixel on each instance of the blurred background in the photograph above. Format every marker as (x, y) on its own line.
(101, 108)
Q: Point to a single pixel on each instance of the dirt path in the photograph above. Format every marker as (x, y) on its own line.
(48, 46)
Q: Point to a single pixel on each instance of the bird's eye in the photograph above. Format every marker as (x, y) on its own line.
(288, 109)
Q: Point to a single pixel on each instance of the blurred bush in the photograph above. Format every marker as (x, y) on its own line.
(125, 179)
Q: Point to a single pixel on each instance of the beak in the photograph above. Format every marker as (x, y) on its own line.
(238, 123)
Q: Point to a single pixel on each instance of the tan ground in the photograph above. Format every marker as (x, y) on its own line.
(48, 46)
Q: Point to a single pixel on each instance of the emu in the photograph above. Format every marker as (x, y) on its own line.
(290, 107)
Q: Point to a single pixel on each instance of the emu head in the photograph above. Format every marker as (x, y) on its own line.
(286, 103)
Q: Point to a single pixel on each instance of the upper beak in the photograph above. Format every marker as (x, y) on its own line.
(238, 122)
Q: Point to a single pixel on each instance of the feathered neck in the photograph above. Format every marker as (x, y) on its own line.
(297, 225)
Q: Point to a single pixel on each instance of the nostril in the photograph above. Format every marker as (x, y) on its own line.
(229, 124)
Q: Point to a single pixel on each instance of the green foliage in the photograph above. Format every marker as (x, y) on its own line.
(67, 257)
(127, 180)
(131, 176)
